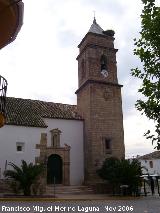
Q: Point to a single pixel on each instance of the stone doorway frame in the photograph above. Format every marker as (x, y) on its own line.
(46, 151)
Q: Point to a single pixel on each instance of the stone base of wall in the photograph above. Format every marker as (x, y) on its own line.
(5, 186)
(101, 188)
(9, 187)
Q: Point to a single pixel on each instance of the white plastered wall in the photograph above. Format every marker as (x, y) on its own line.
(154, 170)
(72, 134)
(10, 135)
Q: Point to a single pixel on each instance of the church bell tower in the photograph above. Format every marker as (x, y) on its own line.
(99, 100)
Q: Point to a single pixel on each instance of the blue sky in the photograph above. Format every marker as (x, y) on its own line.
(41, 62)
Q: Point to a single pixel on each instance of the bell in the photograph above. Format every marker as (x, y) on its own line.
(2, 120)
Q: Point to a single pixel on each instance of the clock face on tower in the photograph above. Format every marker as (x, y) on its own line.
(104, 72)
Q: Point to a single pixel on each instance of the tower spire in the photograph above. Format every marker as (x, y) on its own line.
(94, 17)
(95, 28)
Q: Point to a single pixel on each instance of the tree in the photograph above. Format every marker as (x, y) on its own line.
(121, 172)
(25, 175)
(109, 171)
(130, 172)
(148, 50)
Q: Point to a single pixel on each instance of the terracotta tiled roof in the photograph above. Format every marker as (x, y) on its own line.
(26, 112)
(153, 155)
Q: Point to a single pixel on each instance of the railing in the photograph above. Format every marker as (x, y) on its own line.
(3, 91)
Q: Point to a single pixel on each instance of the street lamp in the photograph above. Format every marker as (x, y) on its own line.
(3, 90)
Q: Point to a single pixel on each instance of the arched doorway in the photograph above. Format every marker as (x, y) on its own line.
(54, 169)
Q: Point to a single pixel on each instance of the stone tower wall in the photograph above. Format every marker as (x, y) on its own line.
(99, 103)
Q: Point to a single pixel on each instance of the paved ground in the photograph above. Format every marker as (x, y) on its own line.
(87, 203)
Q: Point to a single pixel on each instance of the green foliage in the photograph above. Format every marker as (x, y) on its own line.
(109, 170)
(24, 176)
(121, 172)
(148, 50)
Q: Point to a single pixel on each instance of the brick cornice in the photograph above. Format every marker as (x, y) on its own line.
(90, 81)
(96, 46)
(96, 35)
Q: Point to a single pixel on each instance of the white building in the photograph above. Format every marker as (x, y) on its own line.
(28, 119)
(151, 163)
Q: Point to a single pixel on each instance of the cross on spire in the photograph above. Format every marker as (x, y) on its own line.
(94, 19)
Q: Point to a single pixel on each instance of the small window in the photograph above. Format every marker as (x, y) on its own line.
(54, 140)
(82, 69)
(151, 164)
(107, 146)
(20, 146)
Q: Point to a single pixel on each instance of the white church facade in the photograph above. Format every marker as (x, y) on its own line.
(71, 140)
(18, 140)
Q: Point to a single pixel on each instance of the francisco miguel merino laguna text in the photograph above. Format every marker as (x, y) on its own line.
(56, 208)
